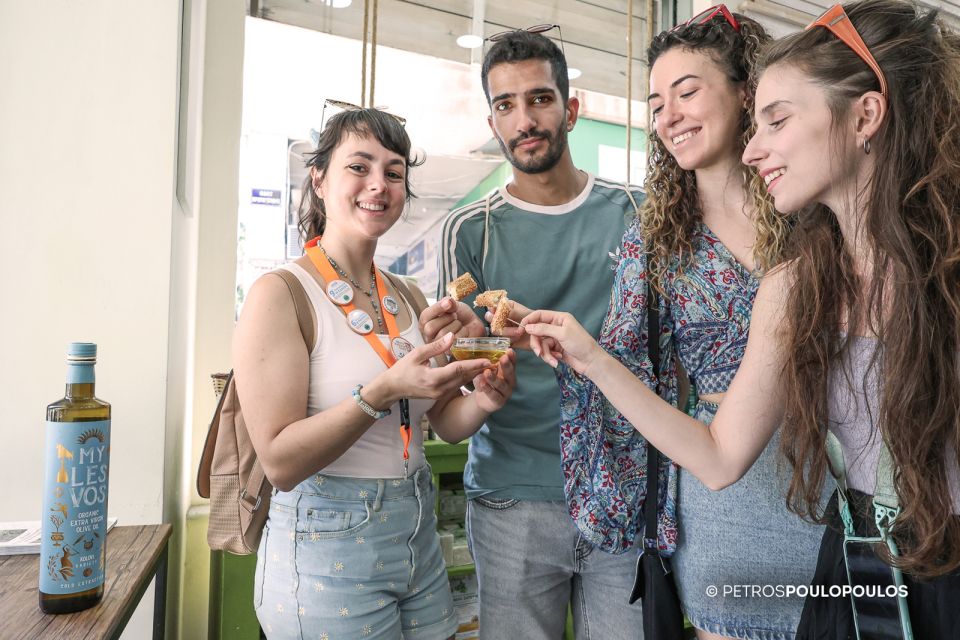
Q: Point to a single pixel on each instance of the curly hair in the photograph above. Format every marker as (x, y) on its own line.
(909, 297)
(672, 209)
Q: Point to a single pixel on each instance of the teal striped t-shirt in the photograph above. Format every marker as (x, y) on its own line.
(546, 257)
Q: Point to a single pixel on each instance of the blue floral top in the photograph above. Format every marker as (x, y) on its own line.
(709, 310)
(704, 319)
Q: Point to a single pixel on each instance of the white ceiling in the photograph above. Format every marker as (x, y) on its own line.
(594, 31)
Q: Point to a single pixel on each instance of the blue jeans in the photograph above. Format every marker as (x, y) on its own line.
(532, 562)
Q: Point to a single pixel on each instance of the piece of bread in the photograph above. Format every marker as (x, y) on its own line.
(489, 298)
(462, 287)
(501, 315)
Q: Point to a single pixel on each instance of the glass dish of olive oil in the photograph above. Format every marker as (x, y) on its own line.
(491, 348)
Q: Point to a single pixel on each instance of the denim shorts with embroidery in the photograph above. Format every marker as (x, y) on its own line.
(354, 558)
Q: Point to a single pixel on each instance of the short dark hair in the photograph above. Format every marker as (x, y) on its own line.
(519, 46)
(382, 126)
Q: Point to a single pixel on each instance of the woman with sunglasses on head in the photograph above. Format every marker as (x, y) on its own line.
(698, 227)
(350, 548)
(855, 339)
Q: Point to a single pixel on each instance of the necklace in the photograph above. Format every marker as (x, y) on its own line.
(370, 294)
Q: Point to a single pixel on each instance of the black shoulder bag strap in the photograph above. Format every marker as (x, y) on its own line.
(654, 582)
(650, 536)
(652, 499)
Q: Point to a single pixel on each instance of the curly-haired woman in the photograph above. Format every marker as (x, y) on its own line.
(696, 239)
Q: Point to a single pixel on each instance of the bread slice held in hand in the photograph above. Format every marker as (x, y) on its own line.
(462, 287)
(501, 315)
(489, 298)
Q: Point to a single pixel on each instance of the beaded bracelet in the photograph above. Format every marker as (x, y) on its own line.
(366, 408)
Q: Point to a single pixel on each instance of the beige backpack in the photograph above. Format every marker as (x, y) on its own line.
(229, 473)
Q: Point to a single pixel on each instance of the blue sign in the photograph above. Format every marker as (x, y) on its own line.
(415, 258)
(265, 196)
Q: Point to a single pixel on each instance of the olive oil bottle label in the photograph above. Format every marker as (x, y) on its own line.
(73, 549)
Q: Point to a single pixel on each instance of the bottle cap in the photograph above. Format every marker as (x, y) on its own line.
(82, 352)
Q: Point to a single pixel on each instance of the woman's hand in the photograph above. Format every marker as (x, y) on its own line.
(493, 387)
(413, 377)
(558, 337)
(450, 316)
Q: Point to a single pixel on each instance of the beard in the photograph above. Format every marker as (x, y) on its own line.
(548, 159)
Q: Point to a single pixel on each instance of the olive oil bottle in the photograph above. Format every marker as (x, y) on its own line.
(74, 520)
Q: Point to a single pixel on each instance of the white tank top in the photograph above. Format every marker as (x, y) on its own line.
(342, 359)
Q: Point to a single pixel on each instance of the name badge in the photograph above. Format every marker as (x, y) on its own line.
(360, 321)
(401, 347)
(340, 292)
(390, 305)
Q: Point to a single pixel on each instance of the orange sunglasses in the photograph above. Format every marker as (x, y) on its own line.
(836, 20)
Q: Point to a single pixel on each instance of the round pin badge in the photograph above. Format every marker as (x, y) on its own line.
(390, 305)
(360, 321)
(340, 292)
(401, 347)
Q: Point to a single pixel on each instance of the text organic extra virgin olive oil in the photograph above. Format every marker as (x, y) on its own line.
(74, 544)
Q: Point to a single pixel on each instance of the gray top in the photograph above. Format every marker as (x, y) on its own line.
(854, 405)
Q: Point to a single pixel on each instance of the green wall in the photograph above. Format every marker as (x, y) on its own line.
(588, 135)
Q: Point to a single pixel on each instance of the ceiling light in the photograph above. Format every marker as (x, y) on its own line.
(573, 73)
(470, 41)
(337, 4)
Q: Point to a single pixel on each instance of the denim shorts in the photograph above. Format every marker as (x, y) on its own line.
(350, 558)
(742, 536)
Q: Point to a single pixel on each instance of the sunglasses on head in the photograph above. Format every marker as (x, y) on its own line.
(837, 22)
(349, 106)
(708, 15)
(537, 28)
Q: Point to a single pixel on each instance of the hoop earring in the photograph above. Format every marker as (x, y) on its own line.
(866, 146)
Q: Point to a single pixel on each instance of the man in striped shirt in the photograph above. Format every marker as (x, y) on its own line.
(547, 238)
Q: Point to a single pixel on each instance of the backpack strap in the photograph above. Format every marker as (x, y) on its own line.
(838, 469)
(886, 503)
(206, 457)
(302, 306)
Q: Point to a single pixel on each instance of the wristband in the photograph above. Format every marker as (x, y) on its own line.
(366, 408)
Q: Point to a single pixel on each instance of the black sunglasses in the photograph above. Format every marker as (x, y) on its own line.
(537, 28)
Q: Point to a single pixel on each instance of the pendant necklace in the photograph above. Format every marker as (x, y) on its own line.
(369, 294)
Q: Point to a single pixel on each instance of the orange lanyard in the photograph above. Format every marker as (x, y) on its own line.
(326, 270)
